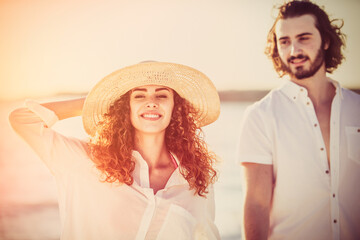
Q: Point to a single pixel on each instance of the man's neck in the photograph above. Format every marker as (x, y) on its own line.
(320, 88)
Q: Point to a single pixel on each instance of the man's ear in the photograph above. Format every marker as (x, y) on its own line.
(326, 44)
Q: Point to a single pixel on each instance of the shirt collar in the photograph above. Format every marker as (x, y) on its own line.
(294, 91)
(176, 178)
(141, 172)
(338, 89)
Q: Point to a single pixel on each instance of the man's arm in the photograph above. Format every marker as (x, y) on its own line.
(257, 191)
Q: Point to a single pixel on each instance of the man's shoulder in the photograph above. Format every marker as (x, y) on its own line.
(350, 102)
(271, 99)
(351, 95)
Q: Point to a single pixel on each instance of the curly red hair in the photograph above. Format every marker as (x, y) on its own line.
(111, 148)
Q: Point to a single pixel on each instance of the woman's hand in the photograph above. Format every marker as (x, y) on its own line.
(66, 109)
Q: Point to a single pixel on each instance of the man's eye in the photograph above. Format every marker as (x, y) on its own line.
(284, 42)
(304, 38)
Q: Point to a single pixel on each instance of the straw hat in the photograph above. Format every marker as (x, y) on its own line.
(188, 82)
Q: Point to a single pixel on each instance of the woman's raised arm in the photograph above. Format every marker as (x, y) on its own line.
(66, 109)
(34, 121)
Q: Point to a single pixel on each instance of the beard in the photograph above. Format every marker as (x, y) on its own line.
(300, 72)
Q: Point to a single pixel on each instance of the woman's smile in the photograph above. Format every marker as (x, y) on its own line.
(151, 116)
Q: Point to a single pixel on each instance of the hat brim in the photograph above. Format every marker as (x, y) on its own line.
(188, 82)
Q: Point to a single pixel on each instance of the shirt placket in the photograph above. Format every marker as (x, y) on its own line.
(331, 171)
(306, 101)
(151, 199)
(335, 165)
(147, 216)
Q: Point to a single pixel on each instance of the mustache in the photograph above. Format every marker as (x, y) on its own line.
(300, 57)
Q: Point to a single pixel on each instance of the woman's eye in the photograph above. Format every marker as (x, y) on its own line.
(139, 96)
(162, 96)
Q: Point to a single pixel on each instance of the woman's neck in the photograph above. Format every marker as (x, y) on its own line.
(153, 149)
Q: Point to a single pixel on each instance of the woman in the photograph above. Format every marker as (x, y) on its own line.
(145, 173)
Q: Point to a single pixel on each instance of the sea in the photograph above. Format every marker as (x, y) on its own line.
(28, 197)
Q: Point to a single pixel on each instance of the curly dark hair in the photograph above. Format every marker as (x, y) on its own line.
(111, 148)
(329, 31)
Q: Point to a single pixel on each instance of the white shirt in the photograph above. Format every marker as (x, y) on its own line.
(310, 200)
(91, 209)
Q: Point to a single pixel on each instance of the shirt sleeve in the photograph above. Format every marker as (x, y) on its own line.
(205, 226)
(211, 229)
(33, 123)
(255, 145)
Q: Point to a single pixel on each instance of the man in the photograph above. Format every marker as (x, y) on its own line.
(300, 145)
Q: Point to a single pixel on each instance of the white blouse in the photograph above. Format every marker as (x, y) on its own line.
(91, 209)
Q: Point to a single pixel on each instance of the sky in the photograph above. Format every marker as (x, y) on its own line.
(49, 47)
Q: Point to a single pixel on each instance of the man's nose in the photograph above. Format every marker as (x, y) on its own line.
(295, 49)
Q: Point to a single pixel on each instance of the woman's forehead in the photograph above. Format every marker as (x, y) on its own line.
(155, 88)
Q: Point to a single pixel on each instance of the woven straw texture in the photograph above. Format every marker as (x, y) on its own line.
(188, 82)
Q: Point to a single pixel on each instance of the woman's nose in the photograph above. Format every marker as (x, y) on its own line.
(151, 104)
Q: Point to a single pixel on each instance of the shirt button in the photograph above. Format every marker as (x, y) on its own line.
(308, 103)
(358, 130)
(333, 195)
(315, 125)
(327, 171)
(301, 89)
(322, 149)
(294, 97)
(335, 221)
